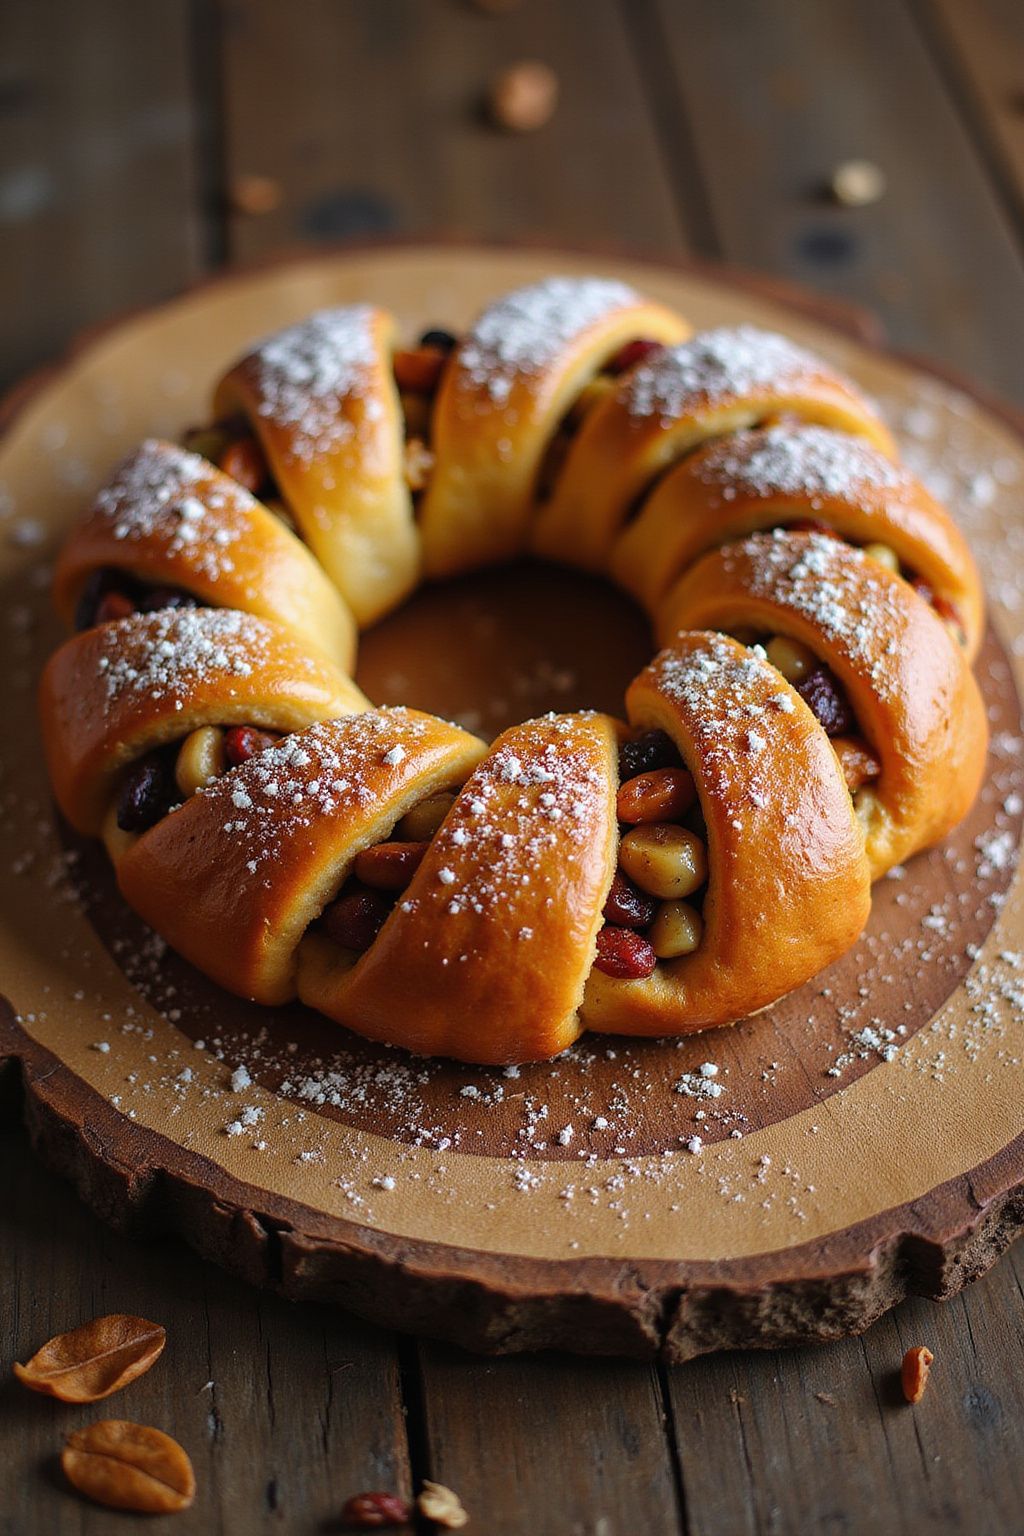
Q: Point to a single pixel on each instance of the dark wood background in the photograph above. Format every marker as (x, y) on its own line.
(699, 127)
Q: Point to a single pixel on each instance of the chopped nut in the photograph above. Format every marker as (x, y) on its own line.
(914, 1372)
(523, 97)
(856, 183)
(441, 1505)
(419, 464)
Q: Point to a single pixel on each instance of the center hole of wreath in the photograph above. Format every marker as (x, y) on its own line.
(496, 647)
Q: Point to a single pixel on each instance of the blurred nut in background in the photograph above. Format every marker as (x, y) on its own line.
(523, 97)
(255, 194)
(856, 183)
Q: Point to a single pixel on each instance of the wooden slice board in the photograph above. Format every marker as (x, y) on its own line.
(868, 1136)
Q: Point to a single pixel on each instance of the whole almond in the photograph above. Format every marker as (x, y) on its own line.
(523, 97)
(129, 1466)
(441, 1505)
(93, 1361)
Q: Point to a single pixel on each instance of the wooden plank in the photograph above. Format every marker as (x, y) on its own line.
(776, 96)
(96, 169)
(285, 1411)
(368, 116)
(980, 47)
(550, 1445)
(821, 1439)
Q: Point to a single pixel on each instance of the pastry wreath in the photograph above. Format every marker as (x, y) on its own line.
(811, 720)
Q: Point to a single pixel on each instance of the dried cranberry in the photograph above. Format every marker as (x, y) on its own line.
(651, 749)
(811, 525)
(244, 461)
(443, 341)
(244, 741)
(623, 953)
(146, 794)
(374, 1511)
(113, 605)
(356, 918)
(634, 352)
(165, 597)
(822, 692)
(627, 905)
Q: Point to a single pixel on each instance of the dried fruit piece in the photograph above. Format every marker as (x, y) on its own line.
(823, 693)
(389, 866)
(129, 1466)
(420, 824)
(356, 918)
(419, 369)
(244, 741)
(627, 905)
(94, 1360)
(649, 750)
(634, 352)
(523, 97)
(625, 954)
(113, 605)
(663, 794)
(441, 1505)
(147, 793)
(243, 460)
(375, 1511)
(917, 1362)
(858, 762)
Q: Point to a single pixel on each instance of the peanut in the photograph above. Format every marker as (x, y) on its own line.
(664, 794)
(667, 860)
(200, 760)
(677, 930)
(792, 659)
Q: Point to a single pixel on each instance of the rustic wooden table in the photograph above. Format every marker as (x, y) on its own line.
(126, 134)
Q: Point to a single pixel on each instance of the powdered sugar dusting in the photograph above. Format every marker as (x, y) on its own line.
(526, 330)
(168, 655)
(164, 492)
(304, 373)
(716, 366)
(796, 459)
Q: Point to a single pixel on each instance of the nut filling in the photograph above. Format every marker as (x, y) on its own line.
(821, 690)
(652, 911)
(602, 384)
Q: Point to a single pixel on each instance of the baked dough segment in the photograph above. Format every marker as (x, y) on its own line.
(168, 517)
(111, 694)
(908, 682)
(761, 479)
(321, 397)
(720, 382)
(788, 887)
(233, 878)
(502, 396)
(486, 955)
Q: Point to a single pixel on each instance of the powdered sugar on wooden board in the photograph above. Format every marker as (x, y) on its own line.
(526, 331)
(800, 459)
(165, 493)
(722, 365)
(304, 376)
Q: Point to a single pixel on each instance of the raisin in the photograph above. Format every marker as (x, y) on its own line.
(820, 690)
(627, 905)
(443, 341)
(244, 741)
(244, 461)
(623, 953)
(634, 352)
(157, 598)
(146, 794)
(356, 918)
(113, 605)
(643, 753)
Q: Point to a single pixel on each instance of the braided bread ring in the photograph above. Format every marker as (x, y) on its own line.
(754, 480)
(169, 518)
(719, 382)
(260, 852)
(112, 694)
(766, 776)
(321, 398)
(510, 382)
(907, 679)
(486, 956)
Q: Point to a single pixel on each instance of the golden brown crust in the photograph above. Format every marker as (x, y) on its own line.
(256, 856)
(502, 397)
(321, 397)
(914, 696)
(113, 693)
(720, 382)
(486, 955)
(169, 518)
(788, 887)
(764, 479)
